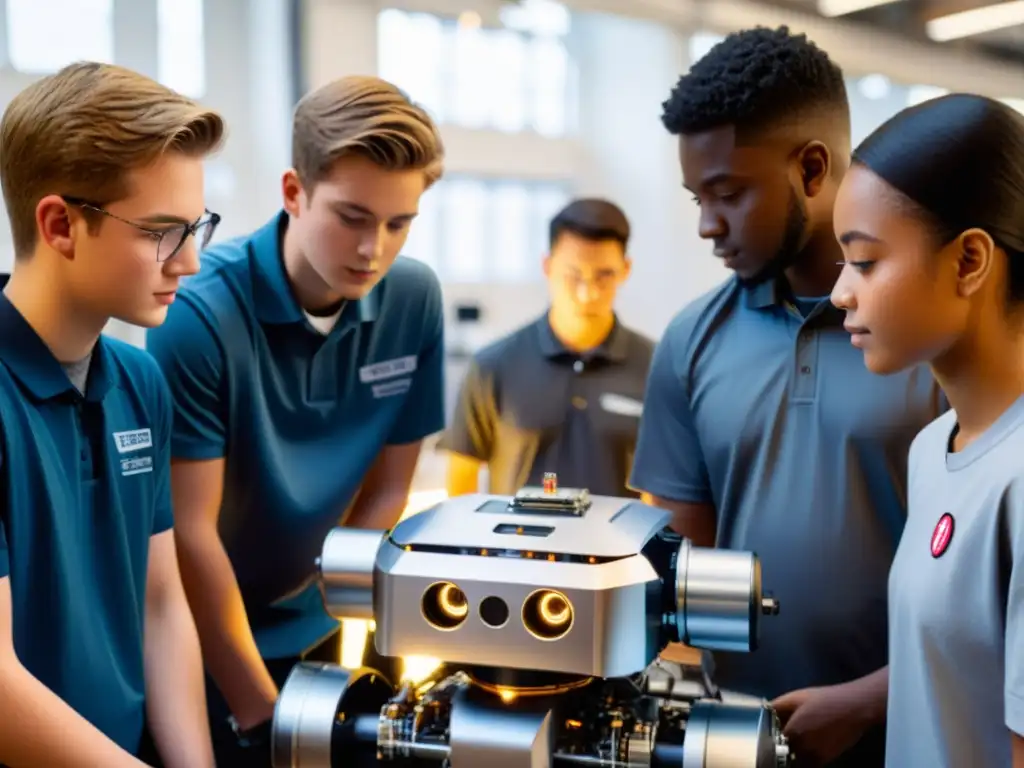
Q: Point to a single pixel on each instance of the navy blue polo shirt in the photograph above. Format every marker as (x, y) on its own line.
(298, 416)
(84, 483)
(529, 406)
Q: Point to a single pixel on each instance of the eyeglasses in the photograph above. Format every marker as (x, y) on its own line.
(169, 240)
(602, 281)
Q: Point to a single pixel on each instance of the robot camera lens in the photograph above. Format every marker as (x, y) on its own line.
(493, 611)
(547, 614)
(444, 606)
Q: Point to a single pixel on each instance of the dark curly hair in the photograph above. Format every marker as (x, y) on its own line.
(754, 79)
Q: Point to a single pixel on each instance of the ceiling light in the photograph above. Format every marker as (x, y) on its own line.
(976, 21)
(832, 8)
(470, 20)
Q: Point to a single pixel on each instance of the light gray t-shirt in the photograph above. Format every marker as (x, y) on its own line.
(956, 601)
(78, 372)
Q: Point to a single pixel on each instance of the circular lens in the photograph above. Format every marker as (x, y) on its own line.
(547, 614)
(444, 605)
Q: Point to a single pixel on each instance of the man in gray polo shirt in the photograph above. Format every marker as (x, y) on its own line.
(564, 393)
(762, 428)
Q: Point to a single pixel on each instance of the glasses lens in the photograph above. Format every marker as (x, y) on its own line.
(204, 232)
(170, 243)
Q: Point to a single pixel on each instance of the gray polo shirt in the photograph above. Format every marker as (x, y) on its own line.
(530, 406)
(773, 418)
(956, 602)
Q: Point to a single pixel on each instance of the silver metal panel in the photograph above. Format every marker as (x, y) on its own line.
(607, 637)
(498, 737)
(612, 527)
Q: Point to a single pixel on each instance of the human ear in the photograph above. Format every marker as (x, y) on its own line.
(291, 192)
(974, 260)
(815, 162)
(53, 224)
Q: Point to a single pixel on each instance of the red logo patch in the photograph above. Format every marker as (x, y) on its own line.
(942, 535)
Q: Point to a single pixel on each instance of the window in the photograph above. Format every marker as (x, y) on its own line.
(539, 17)
(512, 79)
(919, 93)
(43, 37)
(701, 43)
(473, 229)
(1017, 104)
(410, 47)
(181, 56)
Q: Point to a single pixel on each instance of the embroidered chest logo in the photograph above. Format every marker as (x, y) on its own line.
(128, 444)
(942, 535)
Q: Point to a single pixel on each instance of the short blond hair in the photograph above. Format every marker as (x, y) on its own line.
(81, 131)
(367, 117)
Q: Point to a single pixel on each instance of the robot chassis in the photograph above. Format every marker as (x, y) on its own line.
(549, 610)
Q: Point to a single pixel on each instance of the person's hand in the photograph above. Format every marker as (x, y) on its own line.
(821, 723)
(254, 743)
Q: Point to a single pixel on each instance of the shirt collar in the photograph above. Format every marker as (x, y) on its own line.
(777, 293)
(763, 295)
(275, 302)
(33, 364)
(613, 349)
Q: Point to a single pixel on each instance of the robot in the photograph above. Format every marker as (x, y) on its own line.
(549, 610)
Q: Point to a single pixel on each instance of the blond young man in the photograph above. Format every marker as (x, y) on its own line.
(103, 181)
(305, 362)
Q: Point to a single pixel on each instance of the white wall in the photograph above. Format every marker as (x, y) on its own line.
(629, 67)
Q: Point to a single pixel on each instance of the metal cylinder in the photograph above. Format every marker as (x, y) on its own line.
(733, 736)
(303, 727)
(719, 600)
(346, 572)
(326, 716)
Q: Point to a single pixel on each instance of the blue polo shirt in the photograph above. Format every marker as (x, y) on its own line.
(84, 483)
(757, 403)
(298, 416)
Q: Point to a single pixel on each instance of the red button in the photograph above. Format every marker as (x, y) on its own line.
(942, 535)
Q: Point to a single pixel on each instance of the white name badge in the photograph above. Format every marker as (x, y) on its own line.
(392, 388)
(133, 440)
(136, 466)
(387, 369)
(621, 406)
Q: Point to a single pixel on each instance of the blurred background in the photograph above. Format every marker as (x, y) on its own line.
(538, 100)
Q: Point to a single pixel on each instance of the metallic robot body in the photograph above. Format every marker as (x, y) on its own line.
(548, 609)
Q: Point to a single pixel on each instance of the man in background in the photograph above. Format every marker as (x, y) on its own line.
(762, 428)
(564, 393)
(305, 362)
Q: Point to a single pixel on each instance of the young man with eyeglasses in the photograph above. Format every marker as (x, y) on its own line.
(100, 664)
(564, 393)
(305, 362)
